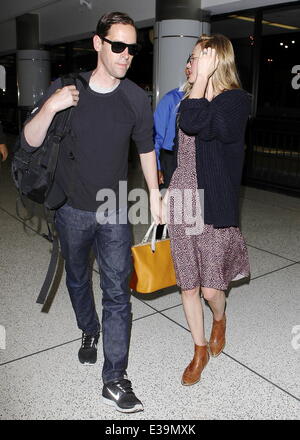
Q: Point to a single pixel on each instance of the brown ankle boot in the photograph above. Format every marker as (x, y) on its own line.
(217, 337)
(192, 373)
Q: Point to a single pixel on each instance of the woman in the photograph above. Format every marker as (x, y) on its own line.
(209, 153)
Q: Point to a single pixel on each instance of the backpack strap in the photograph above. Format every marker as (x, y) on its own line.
(74, 78)
(52, 237)
(64, 125)
(59, 133)
(56, 139)
(80, 83)
(51, 268)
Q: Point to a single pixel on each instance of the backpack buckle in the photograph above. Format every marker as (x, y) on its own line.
(57, 138)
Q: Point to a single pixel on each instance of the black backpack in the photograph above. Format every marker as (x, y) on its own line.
(33, 174)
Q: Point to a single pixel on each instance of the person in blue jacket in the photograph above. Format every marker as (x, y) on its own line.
(164, 132)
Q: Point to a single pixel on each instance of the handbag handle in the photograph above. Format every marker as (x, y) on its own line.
(147, 235)
(164, 234)
(153, 228)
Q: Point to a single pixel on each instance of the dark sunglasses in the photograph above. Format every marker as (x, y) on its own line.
(119, 47)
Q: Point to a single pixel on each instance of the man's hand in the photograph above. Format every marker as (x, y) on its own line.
(36, 129)
(155, 205)
(160, 175)
(3, 152)
(63, 98)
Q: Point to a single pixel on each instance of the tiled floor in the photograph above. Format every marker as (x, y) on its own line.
(257, 376)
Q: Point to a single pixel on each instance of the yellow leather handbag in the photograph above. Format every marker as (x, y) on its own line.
(153, 264)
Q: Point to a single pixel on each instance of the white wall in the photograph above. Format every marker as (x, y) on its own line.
(220, 6)
(12, 8)
(66, 20)
(9, 9)
(71, 19)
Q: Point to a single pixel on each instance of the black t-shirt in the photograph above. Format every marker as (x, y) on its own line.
(95, 154)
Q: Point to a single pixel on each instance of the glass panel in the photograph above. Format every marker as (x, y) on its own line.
(279, 83)
(76, 56)
(239, 29)
(9, 95)
(277, 149)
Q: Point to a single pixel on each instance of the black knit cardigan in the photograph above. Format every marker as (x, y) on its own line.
(219, 129)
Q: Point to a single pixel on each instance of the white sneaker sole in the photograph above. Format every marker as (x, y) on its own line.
(136, 408)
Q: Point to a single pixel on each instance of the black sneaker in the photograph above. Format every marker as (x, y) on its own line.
(118, 393)
(88, 351)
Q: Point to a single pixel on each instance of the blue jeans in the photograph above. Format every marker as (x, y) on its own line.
(79, 232)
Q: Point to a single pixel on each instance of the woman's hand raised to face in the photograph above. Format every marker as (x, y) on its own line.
(207, 63)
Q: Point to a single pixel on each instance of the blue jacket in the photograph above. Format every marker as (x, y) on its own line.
(165, 121)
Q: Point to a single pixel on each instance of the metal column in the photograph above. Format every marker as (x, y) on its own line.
(179, 23)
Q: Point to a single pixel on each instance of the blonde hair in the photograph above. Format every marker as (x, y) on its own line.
(226, 76)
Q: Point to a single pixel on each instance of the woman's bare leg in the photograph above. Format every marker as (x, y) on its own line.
(217, 301)
(194, 314)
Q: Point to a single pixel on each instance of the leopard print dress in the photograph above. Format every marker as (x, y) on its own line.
(202, 255)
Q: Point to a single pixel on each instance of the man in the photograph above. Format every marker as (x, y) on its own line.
(94, 157)
(3, 148)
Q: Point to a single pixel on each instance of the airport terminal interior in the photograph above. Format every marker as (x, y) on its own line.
(257, 375)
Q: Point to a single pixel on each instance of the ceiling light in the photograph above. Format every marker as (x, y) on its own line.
(86, 3)
(269, 23)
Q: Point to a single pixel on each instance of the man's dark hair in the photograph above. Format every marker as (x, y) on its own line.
(108, 19)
